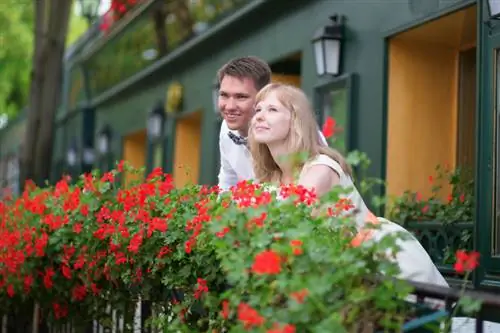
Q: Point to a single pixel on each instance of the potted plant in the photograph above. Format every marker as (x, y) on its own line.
(442, 222)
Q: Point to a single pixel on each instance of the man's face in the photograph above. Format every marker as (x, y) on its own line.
(236, 102)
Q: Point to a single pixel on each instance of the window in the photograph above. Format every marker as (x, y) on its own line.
(431, 105)
(151, 36)
(333, 99)
(466, 136)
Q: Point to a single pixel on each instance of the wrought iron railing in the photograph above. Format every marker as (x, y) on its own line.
(441, 240)
(485, 320)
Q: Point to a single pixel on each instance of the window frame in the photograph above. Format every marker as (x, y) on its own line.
(348, 82)
(487, 275)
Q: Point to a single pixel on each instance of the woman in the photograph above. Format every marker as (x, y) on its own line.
(284, 125)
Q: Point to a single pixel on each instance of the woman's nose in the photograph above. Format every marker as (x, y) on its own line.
(259, 116)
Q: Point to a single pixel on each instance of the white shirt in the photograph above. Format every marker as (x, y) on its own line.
(235, 160)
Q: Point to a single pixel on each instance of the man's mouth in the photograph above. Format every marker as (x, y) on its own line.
(232, 116)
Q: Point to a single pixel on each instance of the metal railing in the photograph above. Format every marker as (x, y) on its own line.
(487, 316)
(485, 320)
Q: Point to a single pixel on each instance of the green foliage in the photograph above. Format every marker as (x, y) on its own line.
(366, 185)
(267, 257)
(16, 50)
(77, 27)
(93, 244)
(458, 207)
(16, 46)
(143, 40)
(320, 280)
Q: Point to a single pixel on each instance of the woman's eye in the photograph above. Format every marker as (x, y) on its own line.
(257, 110)
(273, 109)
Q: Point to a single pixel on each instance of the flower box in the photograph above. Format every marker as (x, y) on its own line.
(106, 246)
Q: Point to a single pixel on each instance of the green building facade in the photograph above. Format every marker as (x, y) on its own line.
(416, 89)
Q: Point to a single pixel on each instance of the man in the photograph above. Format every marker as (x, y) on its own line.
(239, 82)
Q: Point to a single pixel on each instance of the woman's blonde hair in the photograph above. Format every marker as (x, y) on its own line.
(303, 136)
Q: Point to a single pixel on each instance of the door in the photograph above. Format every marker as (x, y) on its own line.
(134, 152)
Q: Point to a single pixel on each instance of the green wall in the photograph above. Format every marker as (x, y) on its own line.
(271, 33)
(12, 136)
(59, 143)
(67, 128)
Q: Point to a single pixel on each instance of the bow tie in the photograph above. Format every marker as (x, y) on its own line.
(239, 140)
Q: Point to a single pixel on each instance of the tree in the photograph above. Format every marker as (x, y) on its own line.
(50, 30)
(16, 51)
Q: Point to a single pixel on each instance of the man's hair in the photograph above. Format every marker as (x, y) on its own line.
(247, 67)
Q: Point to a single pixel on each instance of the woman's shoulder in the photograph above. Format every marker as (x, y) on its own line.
(323, 159)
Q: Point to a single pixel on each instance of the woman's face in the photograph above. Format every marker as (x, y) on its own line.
(271, 122)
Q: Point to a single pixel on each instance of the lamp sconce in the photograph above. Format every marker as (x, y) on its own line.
(493, 9)
(104, 140)
(327, 46)
(155, 123)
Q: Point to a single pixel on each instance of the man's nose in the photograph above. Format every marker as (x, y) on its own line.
(230, 104)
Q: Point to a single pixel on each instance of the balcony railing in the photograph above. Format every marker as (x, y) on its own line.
(485, 319)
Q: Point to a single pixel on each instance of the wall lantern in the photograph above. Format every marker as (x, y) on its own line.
(88, 155)
(156, 118)
(215, 96)
(494, 9)
(90, 9)
(72, 154)
(104, 140)
(327, 44)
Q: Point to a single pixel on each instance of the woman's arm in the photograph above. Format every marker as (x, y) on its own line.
(320, 178)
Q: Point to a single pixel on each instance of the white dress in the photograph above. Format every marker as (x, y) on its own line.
(414, 262)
